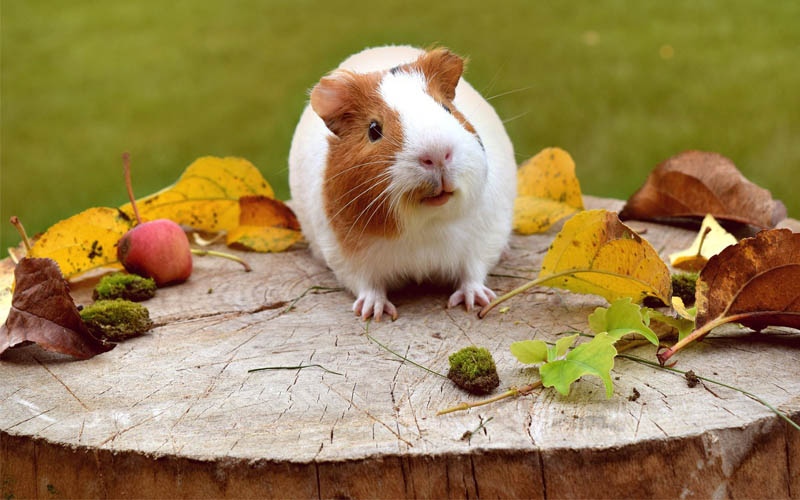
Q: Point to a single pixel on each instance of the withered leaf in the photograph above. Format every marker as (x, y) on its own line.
(755, 282)
(695, 183)
(265, 225)
(42, 311)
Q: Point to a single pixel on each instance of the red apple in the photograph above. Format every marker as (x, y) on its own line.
(157, 249)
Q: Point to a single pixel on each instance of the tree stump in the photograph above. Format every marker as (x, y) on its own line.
(175, 413)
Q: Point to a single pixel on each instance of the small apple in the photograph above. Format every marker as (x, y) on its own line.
(158, 249)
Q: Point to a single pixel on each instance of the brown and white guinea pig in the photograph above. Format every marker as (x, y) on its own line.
(399, 170)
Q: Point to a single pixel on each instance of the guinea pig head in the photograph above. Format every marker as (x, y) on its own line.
(400, 152)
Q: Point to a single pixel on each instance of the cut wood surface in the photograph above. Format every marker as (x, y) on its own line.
(175, 413)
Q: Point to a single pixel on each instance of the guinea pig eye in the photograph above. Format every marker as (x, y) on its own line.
(375, 131)
(446, 108)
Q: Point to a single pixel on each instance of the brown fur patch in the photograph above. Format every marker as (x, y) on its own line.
(355, 175)
(442, 70)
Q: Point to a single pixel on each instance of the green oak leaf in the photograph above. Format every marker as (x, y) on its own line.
(621, 318)
(591, 358)
(530, 351)
(561, 347)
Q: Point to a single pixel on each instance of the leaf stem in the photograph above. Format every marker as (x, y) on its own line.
(214, 253)
(746, 393)
(126, 168)
(298, 367)
(17, 224)
(697, 334)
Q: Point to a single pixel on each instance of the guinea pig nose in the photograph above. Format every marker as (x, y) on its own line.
(436, 158)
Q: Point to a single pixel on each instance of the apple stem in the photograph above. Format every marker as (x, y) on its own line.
(214, 253)
(126, 165)
(17, 224)
(702, 240)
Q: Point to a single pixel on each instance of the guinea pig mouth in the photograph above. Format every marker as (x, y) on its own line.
(438, 199)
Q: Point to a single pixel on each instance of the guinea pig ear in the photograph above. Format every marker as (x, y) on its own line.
(443, 70)
(330, 97)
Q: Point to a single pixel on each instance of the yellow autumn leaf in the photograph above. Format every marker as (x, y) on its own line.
(265, 225)
(711, 240)
(84, 241)
(547, 191)
(206, 196)
(597, 254)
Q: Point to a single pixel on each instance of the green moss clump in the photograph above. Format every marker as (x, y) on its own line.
(683, 286)
(473, 369)
(124, 286)
(116, 319)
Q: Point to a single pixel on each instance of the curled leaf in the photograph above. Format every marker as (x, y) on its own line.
(547, 191)
(755, 282)
(43, 312)
(84, 241)
(695, 183)
(711, 240)
(206, 196)
(591, 358)
(530, 352)
(265, 225)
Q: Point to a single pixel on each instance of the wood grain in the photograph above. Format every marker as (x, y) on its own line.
(175, 413)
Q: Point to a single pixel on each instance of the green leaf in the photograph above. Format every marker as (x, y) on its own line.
(621, 318)
(561, 347)
(684, 326)
(530, 351)
(591, 358)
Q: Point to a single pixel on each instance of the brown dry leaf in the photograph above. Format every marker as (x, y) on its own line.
(42, 311)
(265, 225)
(695, 183)
(755, 282)
(84, 241)
(206, 196)
(547, 191)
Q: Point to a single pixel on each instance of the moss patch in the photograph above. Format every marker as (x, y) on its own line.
(473, 369)
(683, 286)
(117, 319)
(124, 286)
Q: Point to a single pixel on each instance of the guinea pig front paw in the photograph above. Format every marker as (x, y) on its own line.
(471, 293)
(374, 303)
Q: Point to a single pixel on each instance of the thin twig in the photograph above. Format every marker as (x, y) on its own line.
(467, 436)
(400, 355)
(309, 289)
(298, 367)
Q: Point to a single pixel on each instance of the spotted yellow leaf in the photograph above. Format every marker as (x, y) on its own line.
(265, 225)
(547, 191)
(711, 240)
(206, 196)
(597, 254)
(84, 241)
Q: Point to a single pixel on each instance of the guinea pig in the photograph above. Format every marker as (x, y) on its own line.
(400, 171)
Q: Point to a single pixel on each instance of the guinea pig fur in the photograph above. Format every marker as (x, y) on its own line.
(400, 171)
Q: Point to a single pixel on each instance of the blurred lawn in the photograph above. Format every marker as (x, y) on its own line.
(83, 81)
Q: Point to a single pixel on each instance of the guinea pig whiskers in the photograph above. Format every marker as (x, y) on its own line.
(371, 179)
(516, 117)
(381, 195)
(375, 211)
(380, 159)
(501, 94)
(377, 177)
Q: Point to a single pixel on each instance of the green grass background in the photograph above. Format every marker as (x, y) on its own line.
(170, 81)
